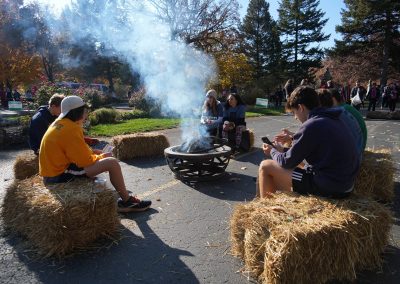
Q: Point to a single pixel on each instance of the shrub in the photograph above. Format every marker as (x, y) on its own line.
(46, 90)
(93, 97)
(138, 100)
(136, 113)
(103, 116)
(252, 94)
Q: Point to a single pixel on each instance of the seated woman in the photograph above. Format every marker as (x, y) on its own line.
(213, 112)
(234, 120)
(65, 155)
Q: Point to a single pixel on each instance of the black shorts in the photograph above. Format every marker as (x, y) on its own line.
(303, 183)
(70, 173)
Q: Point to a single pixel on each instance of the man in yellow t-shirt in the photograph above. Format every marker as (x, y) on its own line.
(65, 155)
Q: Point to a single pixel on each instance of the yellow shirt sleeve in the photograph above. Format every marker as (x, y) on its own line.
(78, 152)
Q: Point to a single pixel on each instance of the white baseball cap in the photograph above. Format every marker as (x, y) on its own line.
(211, 93)
(70, 103)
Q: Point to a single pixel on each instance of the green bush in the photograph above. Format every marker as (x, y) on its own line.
(46, 90)
(138, 101)
(136, 113)
(94, 98)
(251, 94)
(103, 116)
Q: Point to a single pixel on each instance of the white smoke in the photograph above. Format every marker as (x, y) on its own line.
(172, 72)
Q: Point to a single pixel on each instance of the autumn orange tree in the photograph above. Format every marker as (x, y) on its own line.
(233, 69)
(19, 65)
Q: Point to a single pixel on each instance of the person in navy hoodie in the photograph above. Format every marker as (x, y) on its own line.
(42, 119)
(329, 169)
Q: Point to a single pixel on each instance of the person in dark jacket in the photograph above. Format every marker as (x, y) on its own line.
(234, 120)
(42, 119)
(360, 91)
(373, 94)
(330, 169)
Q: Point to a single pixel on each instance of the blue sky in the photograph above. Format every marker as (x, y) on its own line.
(331, 8)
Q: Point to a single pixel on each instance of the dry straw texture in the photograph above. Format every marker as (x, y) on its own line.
(26, 165)
(60, 219)
(139, 145)
(251, 135)
(297, 239)
(376, 176)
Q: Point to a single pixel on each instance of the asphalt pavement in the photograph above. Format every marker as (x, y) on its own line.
(185, 236)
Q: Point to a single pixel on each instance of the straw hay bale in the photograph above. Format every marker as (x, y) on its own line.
(251, 135)
(378, 115)
(26, 165)
(238, 223)
(395, 115)
(383, 115)
(297, 239)
(139, 145)
(376, 176)
(59, 219)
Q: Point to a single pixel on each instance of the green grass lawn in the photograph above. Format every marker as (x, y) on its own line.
(151, 124)
(258, 111)
(133, 126)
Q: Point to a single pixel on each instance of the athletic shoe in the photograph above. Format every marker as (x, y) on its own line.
(133, 205)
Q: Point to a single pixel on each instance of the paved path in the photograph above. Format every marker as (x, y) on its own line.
(185, 237)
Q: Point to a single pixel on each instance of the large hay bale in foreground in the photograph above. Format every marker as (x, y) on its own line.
(139, 145)
(26, 165)
(238, 226)
(376, 176)
(297, 239)
(57, 220)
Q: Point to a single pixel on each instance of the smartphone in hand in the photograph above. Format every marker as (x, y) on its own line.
(108, 148)
(267, 141)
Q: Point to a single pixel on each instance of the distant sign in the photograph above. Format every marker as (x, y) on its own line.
(14, 105)
(262, 102)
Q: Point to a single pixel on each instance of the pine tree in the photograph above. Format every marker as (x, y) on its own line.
(261, 40)
(300, 23)
(372, 25)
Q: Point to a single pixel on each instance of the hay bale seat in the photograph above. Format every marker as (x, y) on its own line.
(298, 239)
(139, 145)
(383, 115)
(251, 135)
(26, 165)
(376, 176)
(59, 219)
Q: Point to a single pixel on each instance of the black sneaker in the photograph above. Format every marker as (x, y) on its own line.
(133, 205)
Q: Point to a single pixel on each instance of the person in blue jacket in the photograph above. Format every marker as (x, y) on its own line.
(329, 170)
(42, 119)
(234, 119)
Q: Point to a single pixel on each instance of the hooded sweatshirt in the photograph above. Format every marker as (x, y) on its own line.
(320, 141)
(38, 126)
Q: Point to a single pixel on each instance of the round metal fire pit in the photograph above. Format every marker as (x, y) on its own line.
(194, 167)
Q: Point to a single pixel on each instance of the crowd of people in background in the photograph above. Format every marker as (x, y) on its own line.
(7, 95)
(358, 96)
